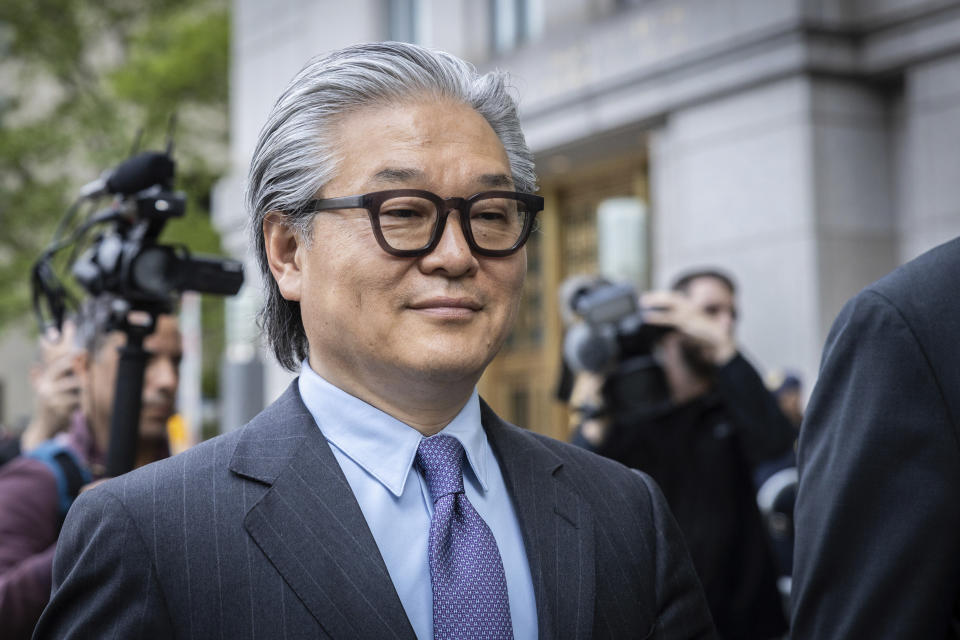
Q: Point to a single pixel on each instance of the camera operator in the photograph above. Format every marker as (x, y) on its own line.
(701, 441)
(33, 495)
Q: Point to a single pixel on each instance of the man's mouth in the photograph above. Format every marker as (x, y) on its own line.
(157, 409)
(447, 307)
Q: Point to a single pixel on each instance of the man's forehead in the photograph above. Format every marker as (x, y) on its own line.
(396, 140)
(708, 284)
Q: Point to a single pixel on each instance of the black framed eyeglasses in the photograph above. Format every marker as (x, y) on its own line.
(409, 223)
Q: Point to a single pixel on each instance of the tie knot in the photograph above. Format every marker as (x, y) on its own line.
(441, 460)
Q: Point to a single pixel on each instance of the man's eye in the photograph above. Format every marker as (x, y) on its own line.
(402, 213)
(489, 215)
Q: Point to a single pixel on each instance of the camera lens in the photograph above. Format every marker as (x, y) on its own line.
(154, 271)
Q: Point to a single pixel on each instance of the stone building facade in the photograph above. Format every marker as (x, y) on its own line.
(805, 146)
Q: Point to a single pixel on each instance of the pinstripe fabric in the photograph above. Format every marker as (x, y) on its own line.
(607, 558)
(256, 534)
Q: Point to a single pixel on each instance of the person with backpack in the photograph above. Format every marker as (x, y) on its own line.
(38, 487)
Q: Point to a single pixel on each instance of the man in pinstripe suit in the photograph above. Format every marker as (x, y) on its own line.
(317, 519)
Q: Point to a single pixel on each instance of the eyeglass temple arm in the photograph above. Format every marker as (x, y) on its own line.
(326, 204)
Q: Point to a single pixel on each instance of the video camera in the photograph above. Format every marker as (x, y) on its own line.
(126, 262)
(613, 339)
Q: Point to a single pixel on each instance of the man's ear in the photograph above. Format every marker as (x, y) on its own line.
(284, 254)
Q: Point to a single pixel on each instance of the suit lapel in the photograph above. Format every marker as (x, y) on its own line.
(557, 527)
(309, 526)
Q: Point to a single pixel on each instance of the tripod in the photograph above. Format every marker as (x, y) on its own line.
(128, 394)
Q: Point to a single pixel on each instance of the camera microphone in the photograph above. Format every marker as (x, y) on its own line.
(132, 175)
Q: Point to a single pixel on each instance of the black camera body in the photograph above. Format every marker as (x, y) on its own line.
(128, 262)
(614, 340)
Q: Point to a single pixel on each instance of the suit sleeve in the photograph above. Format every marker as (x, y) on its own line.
(877, 544)
(104, 579)
(682, 610)
(764, 431)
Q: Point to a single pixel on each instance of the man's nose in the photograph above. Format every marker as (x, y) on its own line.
(452, 254)
(162, 375)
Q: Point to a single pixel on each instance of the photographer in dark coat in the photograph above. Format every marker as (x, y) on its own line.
(701, 442)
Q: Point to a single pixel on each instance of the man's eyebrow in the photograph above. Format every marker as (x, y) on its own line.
(496, 180)
(393, 174)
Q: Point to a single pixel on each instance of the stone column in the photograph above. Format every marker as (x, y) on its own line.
(929, 170)
(788, 186)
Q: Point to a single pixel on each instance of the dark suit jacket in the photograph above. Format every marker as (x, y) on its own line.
(878, 510)
(257, 533)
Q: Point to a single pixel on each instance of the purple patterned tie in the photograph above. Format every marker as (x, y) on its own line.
(469, 586)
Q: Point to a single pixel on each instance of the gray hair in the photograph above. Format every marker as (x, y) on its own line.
(294, 158)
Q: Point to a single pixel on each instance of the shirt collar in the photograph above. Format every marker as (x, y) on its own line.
(382, 445)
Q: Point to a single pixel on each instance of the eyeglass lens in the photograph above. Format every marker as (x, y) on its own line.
(407, 222)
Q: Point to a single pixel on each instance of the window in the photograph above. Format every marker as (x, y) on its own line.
(407, 21)
(514, 22)
(622, 228)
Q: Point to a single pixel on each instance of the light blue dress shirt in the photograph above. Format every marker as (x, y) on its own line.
(376, 453)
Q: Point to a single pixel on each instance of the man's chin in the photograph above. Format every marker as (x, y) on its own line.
(153, 428)
(697, 360)
(437, 363)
